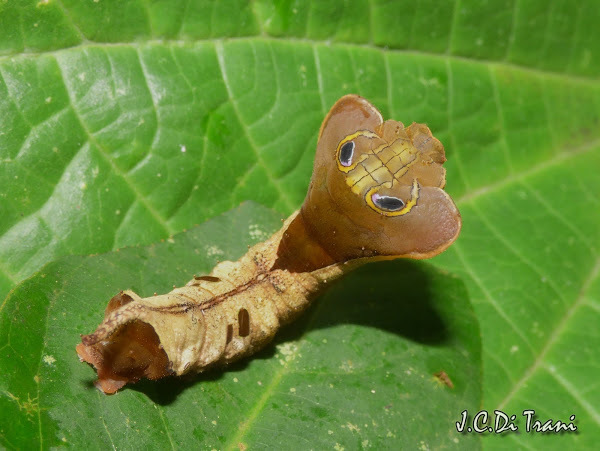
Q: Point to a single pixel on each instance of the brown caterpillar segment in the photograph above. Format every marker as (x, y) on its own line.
(376, 193)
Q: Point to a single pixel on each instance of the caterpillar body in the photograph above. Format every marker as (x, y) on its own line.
(376, 193)
(214, 319)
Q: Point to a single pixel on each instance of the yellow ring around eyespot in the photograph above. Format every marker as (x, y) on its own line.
(414, 196)
(350, 137)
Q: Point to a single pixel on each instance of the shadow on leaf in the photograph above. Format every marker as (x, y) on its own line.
(397, 296)
(402, 297)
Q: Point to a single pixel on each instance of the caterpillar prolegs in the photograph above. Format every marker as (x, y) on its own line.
(376, 193)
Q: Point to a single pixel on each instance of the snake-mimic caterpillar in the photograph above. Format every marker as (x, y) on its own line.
(376, 193)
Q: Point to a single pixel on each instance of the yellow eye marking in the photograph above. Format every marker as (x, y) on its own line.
(370, 170)
(365, 133)
(414, 196)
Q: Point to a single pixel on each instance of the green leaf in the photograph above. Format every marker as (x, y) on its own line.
(357, 370)
(98, 100)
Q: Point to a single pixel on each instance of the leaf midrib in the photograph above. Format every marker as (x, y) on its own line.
(572, 78)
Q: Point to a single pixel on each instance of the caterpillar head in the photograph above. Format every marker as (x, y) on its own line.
(377, 187)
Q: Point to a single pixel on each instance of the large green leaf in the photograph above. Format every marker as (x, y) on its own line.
(356, 371)
(125, 122)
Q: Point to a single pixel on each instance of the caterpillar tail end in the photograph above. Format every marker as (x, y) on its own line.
(123, 349)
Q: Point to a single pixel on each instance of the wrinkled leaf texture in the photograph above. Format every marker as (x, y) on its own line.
(124, 123)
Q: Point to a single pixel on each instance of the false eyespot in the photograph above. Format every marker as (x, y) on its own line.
(391, 205)
(387, 203)
(376, 192)
(346, 157)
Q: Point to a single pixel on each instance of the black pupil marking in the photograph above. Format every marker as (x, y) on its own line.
(388, 203)
(346, 153)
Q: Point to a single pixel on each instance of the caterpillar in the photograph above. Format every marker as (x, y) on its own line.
(376, 193)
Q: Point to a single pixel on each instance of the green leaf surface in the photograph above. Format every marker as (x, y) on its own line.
(122, 123)
(356, 371)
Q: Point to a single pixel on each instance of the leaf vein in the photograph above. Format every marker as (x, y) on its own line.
(488, 296)
(221, 59)
(558, 159)
(116, 170)
(570, 388)
(553, 336)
